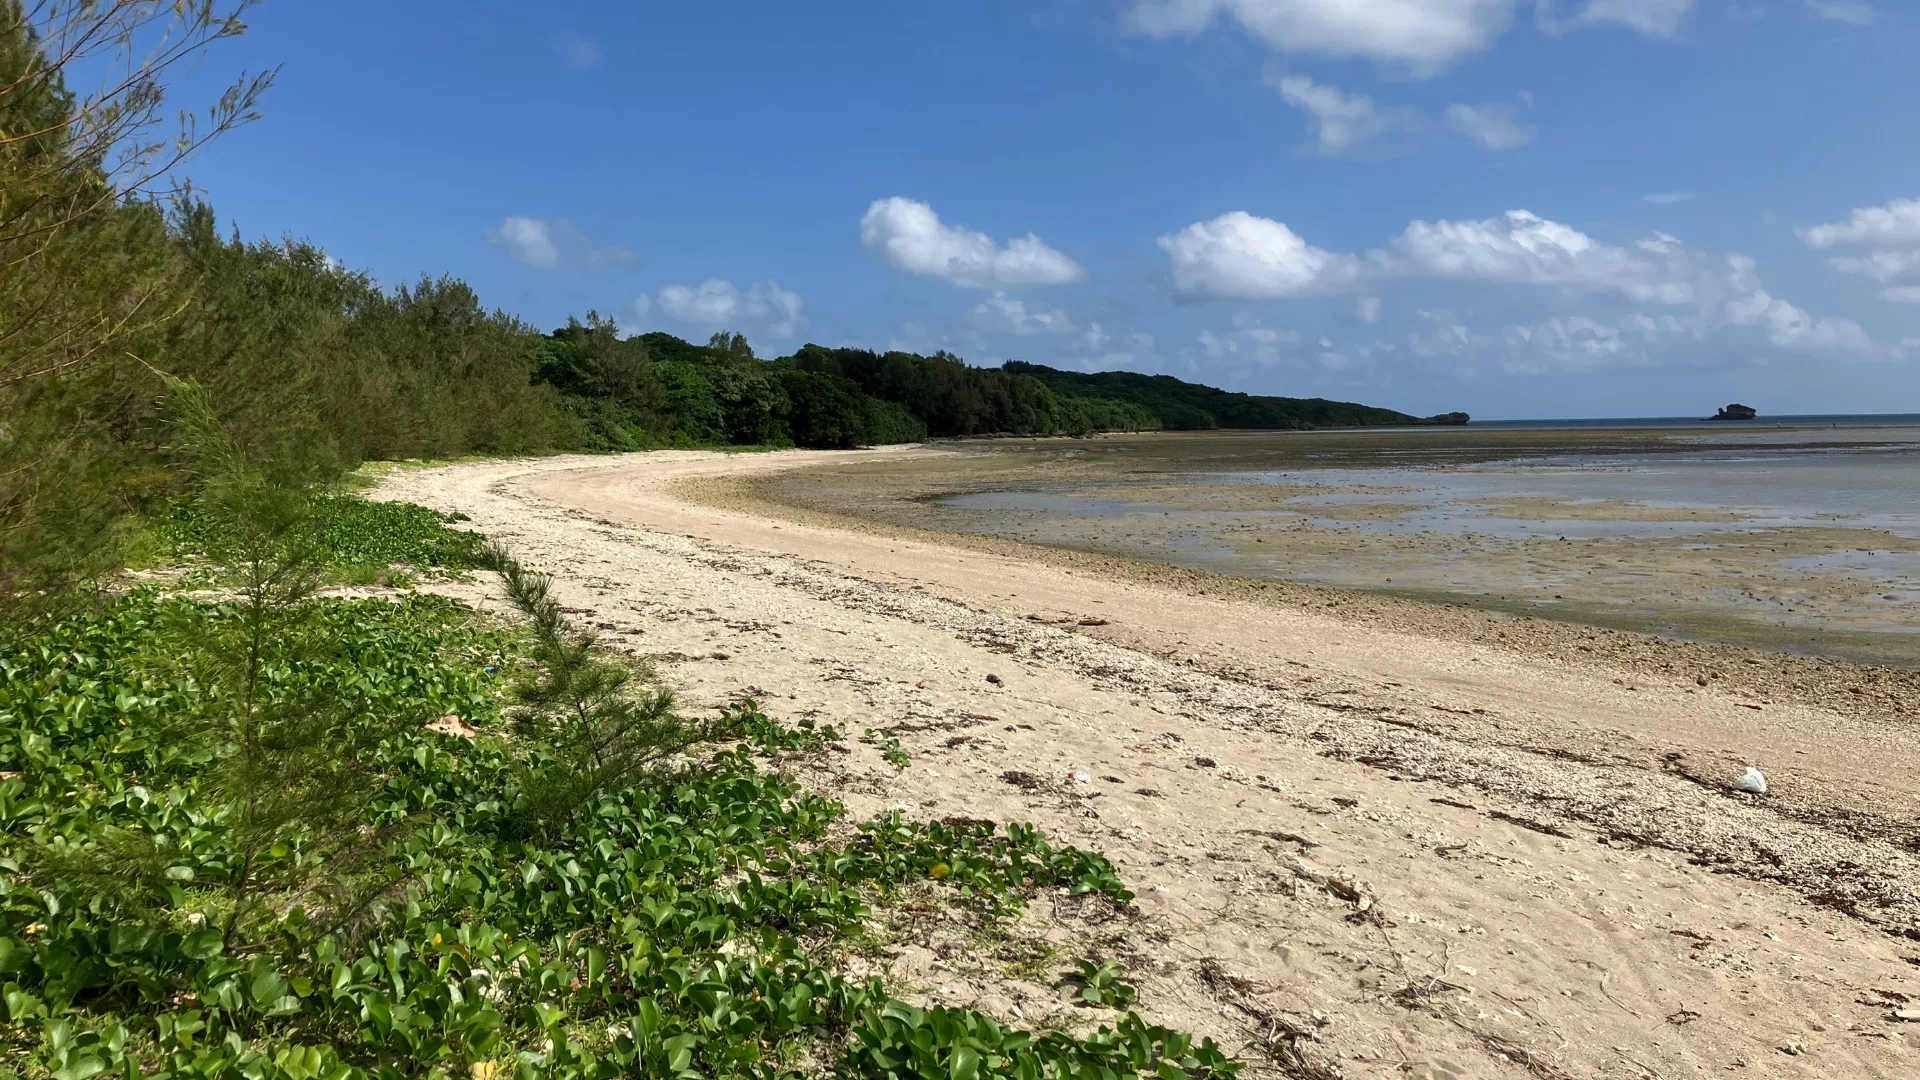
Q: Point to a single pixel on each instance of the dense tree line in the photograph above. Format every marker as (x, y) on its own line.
(1185, 406)
(954, 398)
(630, 393)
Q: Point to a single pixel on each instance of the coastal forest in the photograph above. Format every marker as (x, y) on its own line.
(251, 828)
(116, 271)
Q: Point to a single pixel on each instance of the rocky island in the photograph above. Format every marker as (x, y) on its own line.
(1735, 412)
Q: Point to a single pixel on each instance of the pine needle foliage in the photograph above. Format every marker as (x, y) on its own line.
(288, 764)
(603, 721)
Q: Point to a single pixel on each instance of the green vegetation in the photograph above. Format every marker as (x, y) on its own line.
(231, 853)
(115, 272)
(1186, 406)
(349, 533)
(279, 837)
(891, 751)
(952, 398)
(276, 836)
(1103, 985)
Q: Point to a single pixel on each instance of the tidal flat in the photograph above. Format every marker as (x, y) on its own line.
(1796, 540)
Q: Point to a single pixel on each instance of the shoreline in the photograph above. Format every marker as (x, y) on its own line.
(1860, 691)
(1319, 811)
(1349, 512)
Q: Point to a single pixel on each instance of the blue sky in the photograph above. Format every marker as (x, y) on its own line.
(1514, 207)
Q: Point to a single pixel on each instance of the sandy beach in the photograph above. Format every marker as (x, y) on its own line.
(1371, 836)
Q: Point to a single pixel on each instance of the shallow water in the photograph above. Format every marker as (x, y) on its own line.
(1811, 532)
(1867, 488)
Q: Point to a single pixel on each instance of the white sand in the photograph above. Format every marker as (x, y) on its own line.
(1502, 950)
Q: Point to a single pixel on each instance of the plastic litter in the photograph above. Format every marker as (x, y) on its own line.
(1753, 782)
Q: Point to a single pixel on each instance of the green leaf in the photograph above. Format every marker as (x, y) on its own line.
(82, 1069)
(202, 944)
(267, 988)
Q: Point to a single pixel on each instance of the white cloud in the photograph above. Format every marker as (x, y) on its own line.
(908, 235)
(1851, 12)
(1659, 18)
(1006, 314)
(719, 305)
(1889, 236)
(555, 245)
(1238, 256)
(1496, 127)
(1342, 122)
(1895, 225)
(1422, 36)
(578, 53)
(1566, 343)
(1578, 342)
(1790, 327)
(1368, 309)
(1885, 267)
(1668, 198)
(1523, 248)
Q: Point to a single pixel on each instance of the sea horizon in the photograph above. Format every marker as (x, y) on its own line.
(1890, 420)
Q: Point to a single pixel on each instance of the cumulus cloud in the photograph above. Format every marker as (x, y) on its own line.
(1251, 345)
(1238, 256)
(1851, 12)
(1522, 248)
(907, 235)
(1581, 342)
(1668, 198)
(1342, 123)
(1496, 127)
(717, 304)
(1567, 343)
(1006, 314)
(555, 245)
(1660, 18)
(1893, 226)
(1886, 241)
(1422, 36)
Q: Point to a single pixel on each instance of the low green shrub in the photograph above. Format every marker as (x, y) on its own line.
(348, 533)
(683, 925)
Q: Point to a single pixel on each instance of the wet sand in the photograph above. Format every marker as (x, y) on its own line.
(1821, 585)
(1423, 840)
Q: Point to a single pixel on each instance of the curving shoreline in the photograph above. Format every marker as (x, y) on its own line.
(1553, 840)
